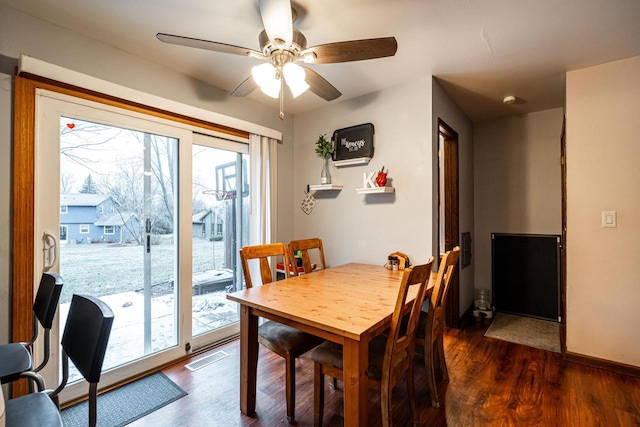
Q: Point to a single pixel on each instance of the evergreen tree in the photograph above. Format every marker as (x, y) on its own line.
(89, 186)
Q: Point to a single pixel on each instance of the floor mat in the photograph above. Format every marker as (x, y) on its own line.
(544, 334)
(123, 405)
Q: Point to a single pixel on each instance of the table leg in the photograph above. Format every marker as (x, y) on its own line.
(356, 392)
(248, 360)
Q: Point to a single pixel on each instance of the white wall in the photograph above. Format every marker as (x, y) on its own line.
(23, 34)
(447, 110)
(517, 181)
(603, 173)
(362, 228)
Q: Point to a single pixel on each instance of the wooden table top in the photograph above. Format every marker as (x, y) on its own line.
(351, 300)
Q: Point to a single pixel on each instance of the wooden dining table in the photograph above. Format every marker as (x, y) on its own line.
(348, 304)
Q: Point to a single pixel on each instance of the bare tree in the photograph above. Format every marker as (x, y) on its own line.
(164, 172)
(82, 140)
(67, 182)
(125, 188)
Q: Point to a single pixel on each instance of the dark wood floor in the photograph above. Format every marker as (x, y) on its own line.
(493, 383)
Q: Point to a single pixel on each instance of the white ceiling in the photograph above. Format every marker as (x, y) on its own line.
(480, 50)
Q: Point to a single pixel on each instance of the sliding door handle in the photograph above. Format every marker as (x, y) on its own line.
(49, 251)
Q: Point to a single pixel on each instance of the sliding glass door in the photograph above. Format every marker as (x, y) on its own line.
(220, 227)
(143, 221)
(118, 204)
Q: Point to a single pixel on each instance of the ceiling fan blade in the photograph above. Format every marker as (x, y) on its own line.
(206, 44)
(354, 50)
(320, 86)
(245, 88)
(277, 20)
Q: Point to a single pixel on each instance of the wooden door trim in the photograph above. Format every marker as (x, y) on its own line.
(23, 209)
(563, 259)
(452, 216)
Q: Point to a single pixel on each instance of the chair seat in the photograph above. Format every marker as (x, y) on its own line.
(14, 360)
(285, 337)
(330, 354)
(32, 410)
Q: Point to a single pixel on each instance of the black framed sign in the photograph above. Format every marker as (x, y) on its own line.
(353, 142)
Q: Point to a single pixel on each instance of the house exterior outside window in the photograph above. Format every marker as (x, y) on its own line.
(64, 209)
(93, 218)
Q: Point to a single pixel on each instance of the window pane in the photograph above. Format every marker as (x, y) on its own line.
(217, 223)
(119, 187)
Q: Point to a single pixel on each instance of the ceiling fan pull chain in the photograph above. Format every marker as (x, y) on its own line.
(281, 100)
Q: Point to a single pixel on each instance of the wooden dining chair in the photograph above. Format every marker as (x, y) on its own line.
(431, 324)
(390, 355)
(304, 246)
(286, 341)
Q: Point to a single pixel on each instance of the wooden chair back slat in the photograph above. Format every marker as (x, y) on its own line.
(401, 339)
(264, 253)
(304, 246)
(442, 280)
(432, 342)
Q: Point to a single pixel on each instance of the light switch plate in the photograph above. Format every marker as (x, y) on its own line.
(609, 219)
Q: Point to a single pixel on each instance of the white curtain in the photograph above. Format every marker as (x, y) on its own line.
(263, 183)
(263, 176)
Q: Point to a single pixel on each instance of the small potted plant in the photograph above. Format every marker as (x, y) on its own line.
(324, 148)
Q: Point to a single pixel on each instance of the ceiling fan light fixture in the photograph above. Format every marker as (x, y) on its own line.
(272, 90)
(294, 75)
(265, 76)
(309, 57)
(298, 88)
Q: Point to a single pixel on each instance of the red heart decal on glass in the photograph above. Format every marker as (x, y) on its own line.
(71, 125)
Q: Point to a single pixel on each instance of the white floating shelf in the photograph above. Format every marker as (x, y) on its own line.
(376, 190)
(351, 162)
(323, 187)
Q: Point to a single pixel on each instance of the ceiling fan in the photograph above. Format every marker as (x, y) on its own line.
(282, 46)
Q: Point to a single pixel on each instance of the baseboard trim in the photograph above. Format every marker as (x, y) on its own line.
(609, 365)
